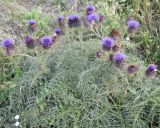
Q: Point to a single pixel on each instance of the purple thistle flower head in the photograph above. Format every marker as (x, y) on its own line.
(92, 17)
(73, 17)
(6, 43)
(73, 20)
(31, 25)
(57, 30)
(60, 18)
(29, 41)
(31, 22)
(151, 67)
(119, 58)
(90, 7)
(46, 41)
(107, 43)
(133, 24)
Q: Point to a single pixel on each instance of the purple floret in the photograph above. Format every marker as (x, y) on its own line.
(57, 30)
(90, 8)
(151, 67)
(133, 24)
(107, 43)
(28, 39)
(73, 17)
(46, 41)
(59, 18)
(73, 20)
(7, 43)
(92, 17)
(31, 22)
(119, 57)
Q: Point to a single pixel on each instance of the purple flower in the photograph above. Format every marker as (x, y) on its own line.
(119, 58)
(57, 31)
(46, 41)
(73, 17)
(92, 17)
(31, 22)
(132, 25)
(73, 20)
(151, 68)
(60, 18)
(31, 25)
(61, 21)
(29, 41)
(7, 44)
(90, 7)
(107, 43)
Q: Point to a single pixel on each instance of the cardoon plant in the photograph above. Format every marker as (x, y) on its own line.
(7, 44)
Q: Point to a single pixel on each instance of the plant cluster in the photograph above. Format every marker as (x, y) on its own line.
(77, 82)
